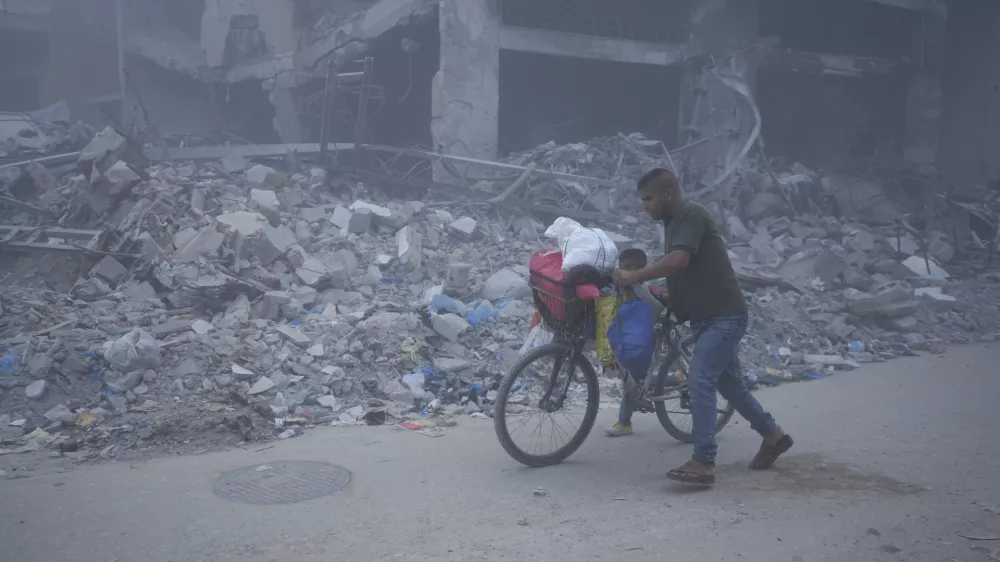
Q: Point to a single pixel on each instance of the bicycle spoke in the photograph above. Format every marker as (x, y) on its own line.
(532, 424)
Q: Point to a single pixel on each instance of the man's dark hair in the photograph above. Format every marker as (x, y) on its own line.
(633, 258)
(661, 176)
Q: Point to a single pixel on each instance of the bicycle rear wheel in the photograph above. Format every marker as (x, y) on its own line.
(674, 412)
(546, 405)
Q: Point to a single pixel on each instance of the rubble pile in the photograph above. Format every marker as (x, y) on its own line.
(238, 302)
(42, 132)
(229, 301)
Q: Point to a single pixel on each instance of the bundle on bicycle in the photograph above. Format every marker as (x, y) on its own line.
(547, 404)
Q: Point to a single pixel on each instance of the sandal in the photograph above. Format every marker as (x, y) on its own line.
(769, 452)
(694, 472)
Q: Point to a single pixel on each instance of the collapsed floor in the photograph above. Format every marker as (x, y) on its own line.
(179, 306)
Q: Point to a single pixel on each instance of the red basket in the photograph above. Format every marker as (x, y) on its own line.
(557, 301)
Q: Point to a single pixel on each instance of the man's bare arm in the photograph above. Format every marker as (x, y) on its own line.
(670, 264)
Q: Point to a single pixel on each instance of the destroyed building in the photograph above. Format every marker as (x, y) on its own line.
(835, 82)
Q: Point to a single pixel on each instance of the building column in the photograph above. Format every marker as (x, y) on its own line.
(923, 94)
(286, 114)
(709, 108)
(467, 86)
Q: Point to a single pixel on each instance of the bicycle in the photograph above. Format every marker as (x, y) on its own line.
(564, 359)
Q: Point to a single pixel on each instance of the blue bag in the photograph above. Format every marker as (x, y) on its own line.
(631, 337)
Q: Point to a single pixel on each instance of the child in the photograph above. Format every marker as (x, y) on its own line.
(631, 260)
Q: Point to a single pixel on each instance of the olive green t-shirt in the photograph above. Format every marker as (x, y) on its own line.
(707, 286)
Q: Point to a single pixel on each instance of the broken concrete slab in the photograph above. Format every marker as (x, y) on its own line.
(408, 245)
(36, 390)
(380, 215)
(57, 413)
(450, 326)
(139, 291)
(824, 265)
(312, 271)
(928, 268)
(294, 335)
(265, 178)
(206, 242)
(187, 367)
(312, 214)
(464, 227)
(243, 222)
(106, 149)
(110, 270)
(264, 198)
(274, 243)
(262, 385)
(505, 283)
(235, 163)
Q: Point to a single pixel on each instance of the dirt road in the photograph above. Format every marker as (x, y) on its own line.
(891, 462)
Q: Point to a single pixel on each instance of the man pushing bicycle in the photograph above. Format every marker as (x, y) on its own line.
(703, 289)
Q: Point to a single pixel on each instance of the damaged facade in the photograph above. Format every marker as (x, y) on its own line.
(482, 78)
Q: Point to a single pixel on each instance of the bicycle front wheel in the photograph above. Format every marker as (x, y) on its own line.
(546, 405)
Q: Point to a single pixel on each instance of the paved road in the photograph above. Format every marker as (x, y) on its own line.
(891, 462)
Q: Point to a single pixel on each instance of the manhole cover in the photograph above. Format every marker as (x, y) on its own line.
(281, 482)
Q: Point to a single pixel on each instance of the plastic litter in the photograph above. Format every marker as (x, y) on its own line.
(415, 382)
(537, 337)
(856, 347)
(280, 405)
(134, 351)
(8, 363)
(443, 303)
(482, 311)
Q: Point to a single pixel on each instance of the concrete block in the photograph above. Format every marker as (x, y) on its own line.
(408, 247)
(274, 242)
(36, 390)
(381, 215)
(205, 242)
(313, 214)
(262, 385)
(244, 222)
(505, 283)
(271, 304)
(110, 270)
(264, 198)
(58, 413)
(311, 271)
(294, 335)
(449, 326)
(235, 163)
(264, 177)
(103, 152)
(464, 227)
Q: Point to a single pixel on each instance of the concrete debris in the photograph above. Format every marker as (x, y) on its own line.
(465, 227)
(264, 177)
(505, 283)
(213, 293)
(35, 390)
(450, 326)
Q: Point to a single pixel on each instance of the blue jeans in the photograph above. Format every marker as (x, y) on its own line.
(625, 411)
(715, 367)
